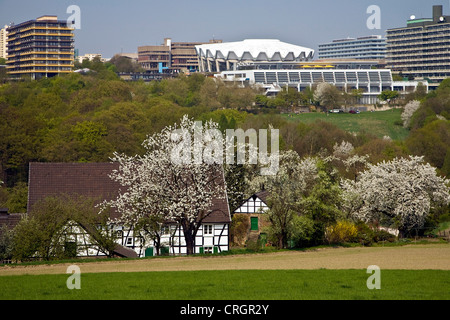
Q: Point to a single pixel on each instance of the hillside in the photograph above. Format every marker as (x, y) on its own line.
(378, 123)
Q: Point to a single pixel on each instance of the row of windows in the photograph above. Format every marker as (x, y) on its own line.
(315, 77)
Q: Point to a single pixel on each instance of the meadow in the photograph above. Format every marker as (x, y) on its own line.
(321, 284)
(378, 123)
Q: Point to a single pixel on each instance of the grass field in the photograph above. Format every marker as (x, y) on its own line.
(379, 123)
(416, 271)
(233, 285)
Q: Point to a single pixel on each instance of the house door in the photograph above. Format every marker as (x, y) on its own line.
(254, 224)
(149, 252)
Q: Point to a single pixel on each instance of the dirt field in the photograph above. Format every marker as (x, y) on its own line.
(432, 256)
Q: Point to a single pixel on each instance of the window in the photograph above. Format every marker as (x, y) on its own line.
(207, 249)
(129, 241)
(208, 229)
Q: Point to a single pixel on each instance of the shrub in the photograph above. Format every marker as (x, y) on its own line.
(240, 225)
(342, 231)
(365, 235)
(383, 235)
(302, 231)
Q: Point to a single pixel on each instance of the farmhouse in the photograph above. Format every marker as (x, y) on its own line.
(92, 180)
(251, 209)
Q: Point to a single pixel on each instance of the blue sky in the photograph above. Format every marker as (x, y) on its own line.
(113, 26)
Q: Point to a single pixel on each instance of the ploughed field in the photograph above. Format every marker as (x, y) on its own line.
(412, 257)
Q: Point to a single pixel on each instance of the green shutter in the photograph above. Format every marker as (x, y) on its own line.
(216, 249)
(202, 250)
(254, 223)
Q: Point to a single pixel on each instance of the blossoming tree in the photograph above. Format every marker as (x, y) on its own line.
(402, 191)
(156, 185)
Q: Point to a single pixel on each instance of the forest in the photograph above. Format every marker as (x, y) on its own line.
(88, 117)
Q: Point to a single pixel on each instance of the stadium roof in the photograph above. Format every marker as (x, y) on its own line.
(255, 49)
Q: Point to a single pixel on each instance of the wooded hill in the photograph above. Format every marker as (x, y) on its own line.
(85, 118)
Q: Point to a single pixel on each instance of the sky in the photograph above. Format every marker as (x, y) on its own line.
(114, 26)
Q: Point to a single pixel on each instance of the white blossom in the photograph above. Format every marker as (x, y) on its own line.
(402, 190)
(153, 184)
(408, 112)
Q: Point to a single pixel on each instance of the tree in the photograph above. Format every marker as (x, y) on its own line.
(166, 183)
(389, 96)
(408, 112)
(328, 95)
(399, 193)
(43, 234)
(6, 243)
(286, 188)
(125, 64)
(432, 141)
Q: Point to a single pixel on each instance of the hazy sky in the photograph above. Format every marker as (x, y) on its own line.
(113, 26)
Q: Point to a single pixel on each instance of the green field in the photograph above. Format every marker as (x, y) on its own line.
(321, 284)
(379, 123)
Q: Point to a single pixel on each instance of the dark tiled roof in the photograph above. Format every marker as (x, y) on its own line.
(10, 220)
(91, 180)
(263, 195)
(86, 179)
(125, 252)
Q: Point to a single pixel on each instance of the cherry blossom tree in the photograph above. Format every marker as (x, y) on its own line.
(401, 191)
(408, 112)
(168, 188)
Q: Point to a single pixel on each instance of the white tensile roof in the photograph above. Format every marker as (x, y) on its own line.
(254, 49)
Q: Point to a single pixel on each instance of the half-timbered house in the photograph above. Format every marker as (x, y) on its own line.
(92, 180)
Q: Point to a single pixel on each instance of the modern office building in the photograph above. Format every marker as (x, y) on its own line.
(371, 81)
(219, 57)
(38, 48)
(171, 56)
(421, 50)
(3, 38)
(368, 48)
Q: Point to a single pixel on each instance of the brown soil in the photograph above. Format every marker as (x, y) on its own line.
(430, 256)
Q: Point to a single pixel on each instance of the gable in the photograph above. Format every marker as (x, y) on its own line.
(254, 204)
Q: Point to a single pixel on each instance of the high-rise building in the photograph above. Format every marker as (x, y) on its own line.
(421, 50)
(367, 48)
(3, 37)
(179, 56)
(38, 48)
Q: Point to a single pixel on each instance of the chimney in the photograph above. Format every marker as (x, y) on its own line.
(437, 13)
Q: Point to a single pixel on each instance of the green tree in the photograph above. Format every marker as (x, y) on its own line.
(389, 96)
(42, 233)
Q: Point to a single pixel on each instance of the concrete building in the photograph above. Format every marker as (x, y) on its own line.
(3, 38)
(38, 48)
(90, 57)
(421, 50)
(371, 81)
(370, 47)
(171, 56)
(219, 57)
